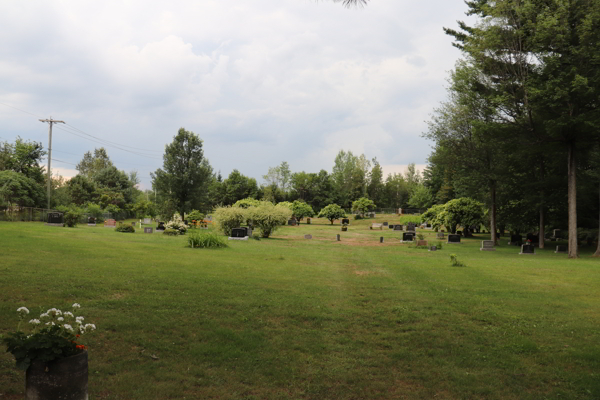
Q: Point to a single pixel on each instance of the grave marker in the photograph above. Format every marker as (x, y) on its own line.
(110, 223)
(391, 226)
(433, 248)
(292, 222)
(487, 245)
(91, 221)
(440, 235)
(345, 221)
(453, 238)
(147, 230)
(397, 227)
(561, 249)
(161, 226)
(239, 232)
(410, 226)
(408, 237)
(385, 224)
(516, 240)
(375, 226)
(55, 219)
(527, 249)
(422, 243)
(381, 239)
(147, 221)
(308, 221)
(307, 236)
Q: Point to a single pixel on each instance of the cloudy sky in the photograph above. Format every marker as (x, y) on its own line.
(260, 81)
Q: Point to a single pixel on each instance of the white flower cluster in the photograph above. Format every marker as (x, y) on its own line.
(176, 224)
(57, 315)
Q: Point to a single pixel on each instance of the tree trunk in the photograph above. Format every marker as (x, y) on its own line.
(542, 232)
(572, 194)
(597, 253)
(493, 213)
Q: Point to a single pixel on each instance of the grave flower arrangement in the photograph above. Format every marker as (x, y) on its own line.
(51, 336)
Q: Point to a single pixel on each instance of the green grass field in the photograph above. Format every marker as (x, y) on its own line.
(289, 318)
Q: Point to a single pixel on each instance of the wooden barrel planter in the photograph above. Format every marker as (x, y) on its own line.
(65, 379)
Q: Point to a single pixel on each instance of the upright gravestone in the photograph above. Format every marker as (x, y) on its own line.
(110, 223)
(561, 249)
(291, 222)
(239, 232)
(376, 226)
(422, 243)
(397, 227)
(308, 221)
(55, 219)
(160, 227)
(408, 237)
(391, 226)
(432, 248)
(516, 240)
(410, 226)
(487, 245)
(147, 221)
(440, 235)
(428, 226)
(527, 249)
(381, 239)
(385, 224)
(147, 230)
(345, 221)
(453, 238)
(91, 221)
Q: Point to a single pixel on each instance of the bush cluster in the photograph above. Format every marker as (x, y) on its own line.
(264, 216)
(170, 232)
(125, 228)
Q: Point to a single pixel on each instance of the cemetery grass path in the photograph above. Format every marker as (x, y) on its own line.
(289, 318)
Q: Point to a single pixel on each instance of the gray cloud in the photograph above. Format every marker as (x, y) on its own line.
(260, 81)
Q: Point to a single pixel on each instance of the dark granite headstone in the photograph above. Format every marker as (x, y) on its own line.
(91, 221)
(453, 238)
(459, 232)
(397, 227)
(432, 248)
(408, 236)
(391, 226)
(533, 238)
(385, 224)
(440, 235)
(55, 218)
(291, 222)
(527, 249)
(161, 226)
(308, 221)
(346, 221)
(561, 249)
(516, 240)
(147, 230)
(410, 226)
(428, 225)
(381, 239)
(239, 232)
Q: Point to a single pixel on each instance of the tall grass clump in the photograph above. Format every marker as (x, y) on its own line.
(205, 240)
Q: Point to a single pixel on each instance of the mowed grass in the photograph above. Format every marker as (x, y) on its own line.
(289, 318)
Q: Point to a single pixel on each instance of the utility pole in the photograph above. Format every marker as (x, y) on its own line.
(50, 122)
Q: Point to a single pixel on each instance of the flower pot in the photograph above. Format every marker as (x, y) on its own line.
(65, 379)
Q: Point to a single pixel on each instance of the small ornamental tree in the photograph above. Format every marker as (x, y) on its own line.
(363, 205)
(435, 215)
(300, 210)
(332, 212)
(227, 218)
(268, 217)
(463, 212)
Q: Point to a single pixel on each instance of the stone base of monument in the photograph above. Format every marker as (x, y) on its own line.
(55, 224)
(238, 238)
(91, 224)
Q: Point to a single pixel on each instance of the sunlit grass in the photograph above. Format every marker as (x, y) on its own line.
(290, 318)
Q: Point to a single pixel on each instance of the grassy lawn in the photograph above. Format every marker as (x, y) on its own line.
(289, 318)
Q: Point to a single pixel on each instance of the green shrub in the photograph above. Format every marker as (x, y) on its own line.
(125, 228)
(300, 210)
(195, 215)
(358, 216)
(171, 232)
(439, 245)
(205, 240)
(332, 212)
(72, 216)
(177, 224)
(227, 218)
(455, 261)
(268, 217)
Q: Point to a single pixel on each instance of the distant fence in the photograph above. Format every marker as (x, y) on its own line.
(31, 214)
(24, 214)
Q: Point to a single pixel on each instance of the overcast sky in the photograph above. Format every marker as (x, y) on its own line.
(260, 81)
